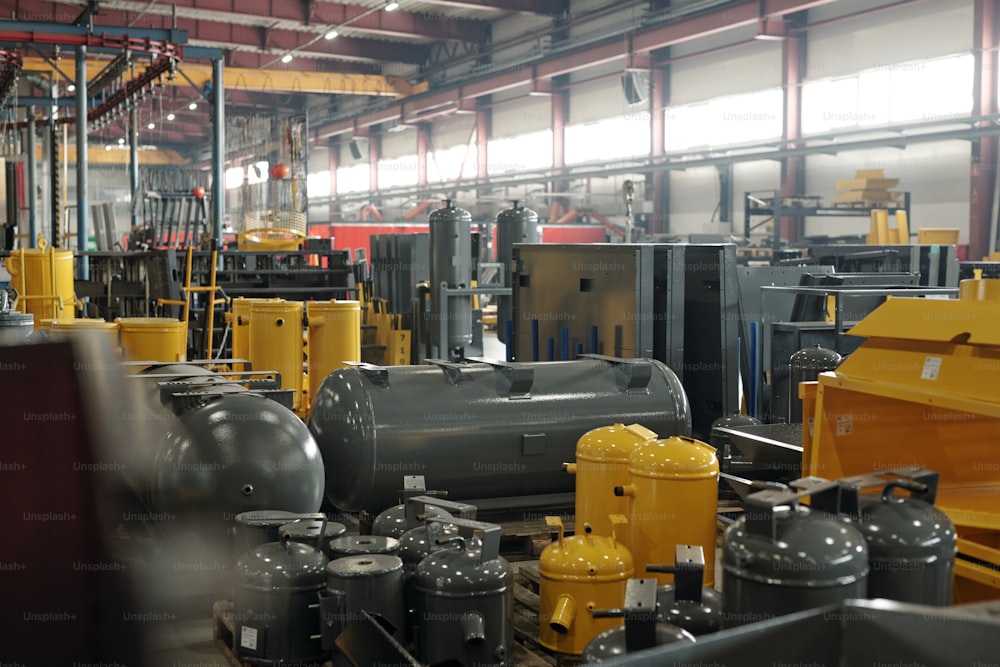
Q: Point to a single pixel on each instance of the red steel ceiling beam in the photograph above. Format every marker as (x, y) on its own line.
(224, 35)
(551, 8)
(642, 41)
(313, 17)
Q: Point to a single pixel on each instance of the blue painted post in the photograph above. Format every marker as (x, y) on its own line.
(508, 327)
(551, 345)
(593, 340)
(534, 340)
(564, 343)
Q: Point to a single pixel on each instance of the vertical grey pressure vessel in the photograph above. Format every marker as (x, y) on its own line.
(464, 602)
(354, 584)
(451, 265)
(516, 224)
(805, 366)
(782, 557)
(487, 430)
(15, 327)
(911, 543)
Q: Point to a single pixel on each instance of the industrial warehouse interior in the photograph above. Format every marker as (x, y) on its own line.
(496, 333)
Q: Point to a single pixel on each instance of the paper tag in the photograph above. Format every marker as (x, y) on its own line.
(845, 425)
(932, 365)
(248, 638)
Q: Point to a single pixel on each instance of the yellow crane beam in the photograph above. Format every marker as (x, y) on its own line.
(119, 156)
(265, 80)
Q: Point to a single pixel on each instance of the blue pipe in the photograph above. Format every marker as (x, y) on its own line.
(564, 343)
(579, 349)
(593, 340)
(752, 402)
(534, 340)
(551, 345)
(508, 328)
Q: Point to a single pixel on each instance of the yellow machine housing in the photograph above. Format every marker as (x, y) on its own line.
(153, 338)
(43, 277)
(276, 342)
(334, 338)
(673, 490)
(579, 574)
(922, 391)
(602, 456)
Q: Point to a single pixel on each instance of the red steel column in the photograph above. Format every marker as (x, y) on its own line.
(793, 173)
(560, 114)
(482, 137)
(659, 99)
(985, 150)
(374, 141)
(423, 139)
(333, 161)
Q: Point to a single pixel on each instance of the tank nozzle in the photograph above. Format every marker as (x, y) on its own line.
(473, 628)
(563, 614)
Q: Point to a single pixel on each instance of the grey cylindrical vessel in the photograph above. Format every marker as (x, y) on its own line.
(236, 453)
(307, 532)
(451, 264)
(392, 522)
(720, 440)
(259, 527)
(911, 543)
(609, 646)
(465, 605)
(485, 431)
(372, 583)
(781, 557)
(699, 618)
(274, 615)
(361, 545)
(805, 366)
(15, 327)
(516, 224)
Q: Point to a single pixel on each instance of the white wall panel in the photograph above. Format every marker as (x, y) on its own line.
(919, 31)
(742, 69)
(452, 130)
(398, 144)
(527, 114)
(600, 99)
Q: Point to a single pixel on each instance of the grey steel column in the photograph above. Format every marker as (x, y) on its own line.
(133, 158)
(32, 198)
(81, 160)
(218, 150)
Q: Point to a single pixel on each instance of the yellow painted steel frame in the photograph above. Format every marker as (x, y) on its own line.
(921, 391)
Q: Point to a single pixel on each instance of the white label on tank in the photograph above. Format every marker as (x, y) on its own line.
(248, 638)
(845, 425)
(932, 365)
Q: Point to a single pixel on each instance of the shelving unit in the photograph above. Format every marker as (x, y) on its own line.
(771, 205)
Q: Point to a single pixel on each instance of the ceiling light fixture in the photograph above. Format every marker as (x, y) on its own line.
(152, 126)
(171, 116)
(332, 34)
(392, 6)
(193, 106)
(287, 58)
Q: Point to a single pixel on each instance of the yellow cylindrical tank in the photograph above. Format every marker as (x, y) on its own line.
(578, 574)
(43, 277)
(334, 338)
(673, 499)
(276, 342)
(602, 456)
(978, 288)
(153, 338)
(72, 326)
(239, 318)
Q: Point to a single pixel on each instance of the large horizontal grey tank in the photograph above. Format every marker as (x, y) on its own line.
(483, 430)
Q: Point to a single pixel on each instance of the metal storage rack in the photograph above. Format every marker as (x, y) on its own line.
(770, 203)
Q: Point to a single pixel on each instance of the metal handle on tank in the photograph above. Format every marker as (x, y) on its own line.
(416, 508)
(688, 570)
(316, 516)
(760, 507)
(466, 530)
